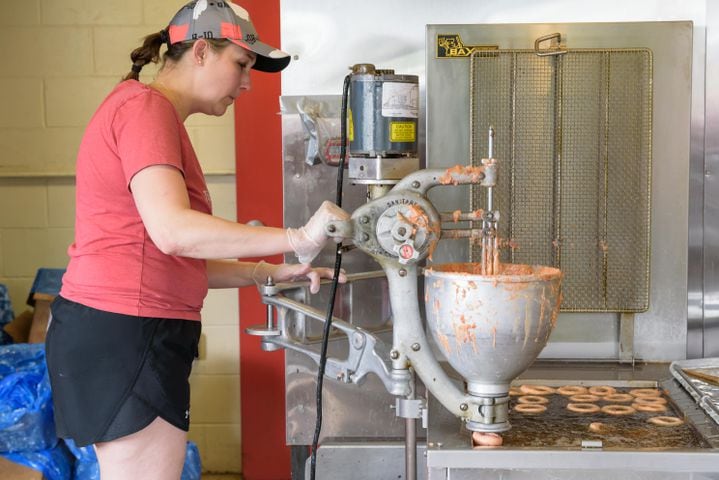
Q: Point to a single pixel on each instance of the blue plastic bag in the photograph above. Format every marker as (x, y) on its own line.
(26, 412)
(6, 313)
(193, 466)
(22, 357)
(55, 463)
(87, 468)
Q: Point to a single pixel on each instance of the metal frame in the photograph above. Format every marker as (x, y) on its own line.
(703, 253)
(704, 182)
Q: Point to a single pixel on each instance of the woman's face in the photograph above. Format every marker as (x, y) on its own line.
(224, 74)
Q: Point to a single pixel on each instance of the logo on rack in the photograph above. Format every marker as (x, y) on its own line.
(451, 46)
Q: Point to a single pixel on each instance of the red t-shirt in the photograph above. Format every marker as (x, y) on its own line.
(114, 265)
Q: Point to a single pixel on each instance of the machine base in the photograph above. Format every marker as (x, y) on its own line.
(362, 460)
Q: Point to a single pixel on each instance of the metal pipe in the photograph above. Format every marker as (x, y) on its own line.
(490, 205)
(410, 436)
(461, 233)
(489, 254)
(270, 318)
(459, 216)
(351, 277)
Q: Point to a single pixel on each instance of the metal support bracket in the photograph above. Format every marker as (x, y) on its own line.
(412, 408)
(626, 338)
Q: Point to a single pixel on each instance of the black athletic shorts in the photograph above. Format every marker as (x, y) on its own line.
(112, 375)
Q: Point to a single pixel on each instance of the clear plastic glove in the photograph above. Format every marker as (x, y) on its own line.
(287, 272)
(308, 241)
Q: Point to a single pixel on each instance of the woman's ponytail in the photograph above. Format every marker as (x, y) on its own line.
(148, 52)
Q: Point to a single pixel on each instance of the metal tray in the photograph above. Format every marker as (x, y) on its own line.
(704, 393)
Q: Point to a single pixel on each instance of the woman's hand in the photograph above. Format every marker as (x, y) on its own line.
(308, 241)
(293, 272)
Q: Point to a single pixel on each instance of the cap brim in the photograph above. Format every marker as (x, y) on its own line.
(267, 64)
(269, 59)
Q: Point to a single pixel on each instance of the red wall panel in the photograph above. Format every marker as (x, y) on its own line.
(258, 148)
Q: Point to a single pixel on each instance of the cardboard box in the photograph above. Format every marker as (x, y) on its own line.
(19, 328)
(45, 288)
(40, 317)
(14, 471)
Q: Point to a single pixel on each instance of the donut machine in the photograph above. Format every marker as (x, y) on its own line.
(491, 319)
(545, 191)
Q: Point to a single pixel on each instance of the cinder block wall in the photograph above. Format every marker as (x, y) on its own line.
(60, 58)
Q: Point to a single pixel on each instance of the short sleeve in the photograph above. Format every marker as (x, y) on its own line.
(147, 132)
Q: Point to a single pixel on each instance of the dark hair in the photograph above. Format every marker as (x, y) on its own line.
(150, 51)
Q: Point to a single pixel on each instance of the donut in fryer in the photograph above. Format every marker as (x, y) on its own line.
(650, 407)
(533, 399)
(583, 407)
(537, 390)
(618, 409)
(652, 400)
(572, 390)
(597, 427)
(602, 390)
(529, 408)
(645, 392)
(618, 398)
(664, 421)
(583, 398)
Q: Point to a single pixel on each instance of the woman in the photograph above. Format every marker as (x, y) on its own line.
(126, 323)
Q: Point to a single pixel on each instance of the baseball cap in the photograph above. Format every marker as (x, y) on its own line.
(223, 19)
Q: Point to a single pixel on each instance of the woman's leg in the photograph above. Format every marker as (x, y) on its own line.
(157, 452)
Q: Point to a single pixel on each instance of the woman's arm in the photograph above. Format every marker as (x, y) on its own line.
(231, 274)
(161, 198)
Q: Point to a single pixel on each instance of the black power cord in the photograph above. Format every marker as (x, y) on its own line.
(335, 281)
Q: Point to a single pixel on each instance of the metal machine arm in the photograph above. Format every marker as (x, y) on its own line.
(366, 354)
